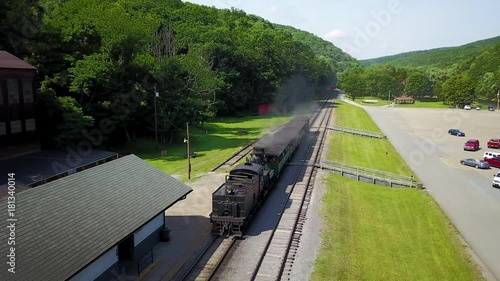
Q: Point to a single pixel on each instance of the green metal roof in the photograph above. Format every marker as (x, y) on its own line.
(64, 225)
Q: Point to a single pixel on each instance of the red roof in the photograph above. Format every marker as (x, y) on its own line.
(9, 61)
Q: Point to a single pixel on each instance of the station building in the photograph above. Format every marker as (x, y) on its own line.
(96, 224)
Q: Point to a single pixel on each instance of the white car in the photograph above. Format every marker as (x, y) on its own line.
(496, 180)
(467, 107)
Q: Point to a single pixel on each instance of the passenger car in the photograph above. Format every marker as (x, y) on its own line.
(496, 180)
(494, 162)
(490, 108)
(478, 108)
(475, 163)
(467, 107)
(494, 143)
(456, 132)
(471, 144)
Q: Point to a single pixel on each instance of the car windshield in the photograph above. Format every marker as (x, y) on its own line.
(471, 142)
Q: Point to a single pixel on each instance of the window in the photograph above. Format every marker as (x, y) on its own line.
(15, 127)
(3, 129)
(27, 91)
(30, 125)
(13, 91)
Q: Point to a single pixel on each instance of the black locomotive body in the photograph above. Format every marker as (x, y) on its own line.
(235, 202)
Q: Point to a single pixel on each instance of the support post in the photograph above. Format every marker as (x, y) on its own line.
(188, 152)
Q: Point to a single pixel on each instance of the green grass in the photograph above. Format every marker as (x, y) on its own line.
(213, 143)
(373, 232)
(422, 103)
(377, 233)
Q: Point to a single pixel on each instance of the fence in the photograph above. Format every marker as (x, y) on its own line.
(357, 132)
(370, 175)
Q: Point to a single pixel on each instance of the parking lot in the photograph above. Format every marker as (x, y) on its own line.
(464, 193)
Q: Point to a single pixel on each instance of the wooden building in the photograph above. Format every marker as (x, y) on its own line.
(18, 132)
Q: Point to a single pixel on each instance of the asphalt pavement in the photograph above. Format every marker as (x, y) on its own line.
(465, 194)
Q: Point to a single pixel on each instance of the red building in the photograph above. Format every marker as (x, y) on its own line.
(17, 107)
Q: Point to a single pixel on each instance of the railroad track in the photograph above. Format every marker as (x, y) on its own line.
(279, 253)
(208, 262)
(234, 158)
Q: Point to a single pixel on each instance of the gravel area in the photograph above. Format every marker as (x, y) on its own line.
(311, 240)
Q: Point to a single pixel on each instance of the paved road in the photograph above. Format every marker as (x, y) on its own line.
(464, 193)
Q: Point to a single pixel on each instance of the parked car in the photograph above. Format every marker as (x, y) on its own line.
(496, 180)
(471, 144)
(490, 108)
(494, 162)
(478, 108)
(467, 107)
(489, 154)
(478, 164)
(494, 143)
(456, 132)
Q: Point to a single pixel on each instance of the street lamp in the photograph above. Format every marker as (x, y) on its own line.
(186, 141)
(157, 94)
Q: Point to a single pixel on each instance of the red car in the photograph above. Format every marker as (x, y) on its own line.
(494, 143)
(494, 162)
(471, 145)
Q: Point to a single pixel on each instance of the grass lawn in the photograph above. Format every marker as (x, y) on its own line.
(424, 103)
(373, 232)
(366, 152)
(213, 143)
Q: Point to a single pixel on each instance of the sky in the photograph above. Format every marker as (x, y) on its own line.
(375, 28)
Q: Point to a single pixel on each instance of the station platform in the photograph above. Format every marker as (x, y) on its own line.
(190, 227)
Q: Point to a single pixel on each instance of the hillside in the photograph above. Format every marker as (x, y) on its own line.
(321, 47)
(441, 57)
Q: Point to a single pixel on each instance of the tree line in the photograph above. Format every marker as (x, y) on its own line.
(107, 60)
(466, 82)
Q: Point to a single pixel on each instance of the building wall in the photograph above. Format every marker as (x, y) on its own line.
(103, 266)
(148, 228)
(17, 107)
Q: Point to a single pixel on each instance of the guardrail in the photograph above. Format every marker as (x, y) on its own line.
(370, 175)
(358, 132)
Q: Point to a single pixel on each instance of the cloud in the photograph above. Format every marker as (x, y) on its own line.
(333, 34)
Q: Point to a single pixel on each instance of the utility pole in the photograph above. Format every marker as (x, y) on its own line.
(188, 152)
(498, 99)
(389, 95)
(156, 121)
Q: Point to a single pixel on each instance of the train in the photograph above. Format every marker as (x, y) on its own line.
(247, 185)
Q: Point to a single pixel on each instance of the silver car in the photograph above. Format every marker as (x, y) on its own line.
(478, 164)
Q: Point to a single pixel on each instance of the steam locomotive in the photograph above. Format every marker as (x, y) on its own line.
(246, 186)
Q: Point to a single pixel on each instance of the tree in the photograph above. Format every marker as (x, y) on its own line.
(417, 84)
(353, 82)
(458, 90)
(73, 123)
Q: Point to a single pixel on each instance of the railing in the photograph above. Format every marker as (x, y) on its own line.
(357, 132)
(370, 175)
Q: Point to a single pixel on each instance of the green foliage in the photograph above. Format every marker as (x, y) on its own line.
(458, 90)
(111, 55)
(323, 48)
(73, 122)
(418, 84)
(353, 82)
(441, 57)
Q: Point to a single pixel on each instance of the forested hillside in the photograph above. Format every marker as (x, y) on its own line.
(321, 47)
(467, 81)
(101, 62)
(441, 57)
